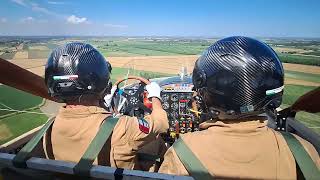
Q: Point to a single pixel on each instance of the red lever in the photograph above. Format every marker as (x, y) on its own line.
(146, 101)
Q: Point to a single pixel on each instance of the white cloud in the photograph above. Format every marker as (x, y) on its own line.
(20, 2)
(37, 8)
(59, 27)
(76, 20)
(3, 20)
(56, 2)
(70, 19)
(115, 25)
(27, 19)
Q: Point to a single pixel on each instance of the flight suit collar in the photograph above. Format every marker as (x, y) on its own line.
(80, 111)
(246, 126)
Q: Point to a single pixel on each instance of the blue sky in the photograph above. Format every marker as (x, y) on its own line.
(257, 18)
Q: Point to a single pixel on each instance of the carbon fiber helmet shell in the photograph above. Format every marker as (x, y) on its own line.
(76, 69)
(239, 76)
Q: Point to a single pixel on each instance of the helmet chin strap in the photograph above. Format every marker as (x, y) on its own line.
(79, 98)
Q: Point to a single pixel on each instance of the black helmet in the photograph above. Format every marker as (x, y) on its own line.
(239, 76)
(76, 69)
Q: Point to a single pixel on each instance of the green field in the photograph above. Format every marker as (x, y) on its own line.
(303, 76)
(16, 125)
(16, 99)
(292, 92)
(176, 47)
(310, 120)
(299, 59)
(116, 53)
(315, 53)
(150, 47)
(13, 124)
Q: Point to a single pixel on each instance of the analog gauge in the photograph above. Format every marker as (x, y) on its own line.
(182, 96)
(165, 97)
(174, 115)
(173, 123)
(165, 105)
(174, 106)
(131, 92)
(189, 97)
(174, 97)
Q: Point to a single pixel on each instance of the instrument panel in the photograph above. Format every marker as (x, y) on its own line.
(177, 103)
(176, 95)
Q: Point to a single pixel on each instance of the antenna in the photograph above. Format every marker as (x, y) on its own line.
(183, 73)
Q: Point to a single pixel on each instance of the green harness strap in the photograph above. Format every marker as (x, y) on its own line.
(304, 161)
(84, 165)
(195, 168)
(24, 154)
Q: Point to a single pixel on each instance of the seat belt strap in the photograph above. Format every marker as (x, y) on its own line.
(193, 165)
(84, 165)
(303, 159)
(19, 161)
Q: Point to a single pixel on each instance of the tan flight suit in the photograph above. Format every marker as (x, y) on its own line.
(75, 127)
(239, 149)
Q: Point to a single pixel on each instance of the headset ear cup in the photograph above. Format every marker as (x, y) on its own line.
(204, 78)
(108, 89)
(109, 66)
(200, 79)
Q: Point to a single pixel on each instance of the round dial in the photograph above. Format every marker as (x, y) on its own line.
(174, 97)
(133, 100)
(131, 92)
(165, 105)
(174, 106)
(189, 96)
(174, 114)
(182, 96)
(165, 97)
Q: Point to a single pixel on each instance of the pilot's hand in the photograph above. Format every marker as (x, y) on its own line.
(108, 97)
(153, 90)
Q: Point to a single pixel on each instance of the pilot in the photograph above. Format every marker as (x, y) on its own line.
(78, 75)
(238, 79)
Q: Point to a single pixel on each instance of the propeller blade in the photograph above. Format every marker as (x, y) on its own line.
(19, 78)
(309, 102)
